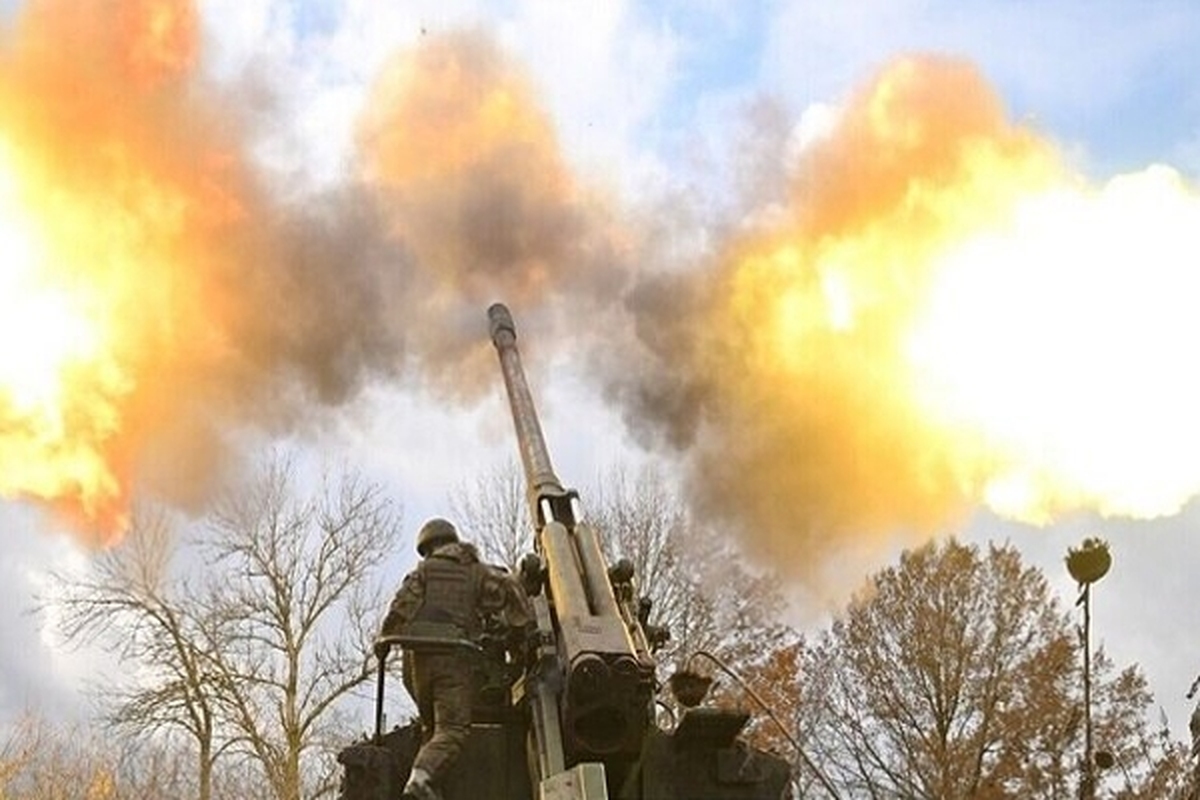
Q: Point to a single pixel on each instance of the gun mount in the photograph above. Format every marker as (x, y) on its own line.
(579, 722)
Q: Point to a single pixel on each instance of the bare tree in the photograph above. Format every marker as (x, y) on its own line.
(292, 634)
(132, 600)
(246, 629)
(493, 511)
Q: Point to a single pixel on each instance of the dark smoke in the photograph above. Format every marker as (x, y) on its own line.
(468, 170)
(243, 305)
(797, 428)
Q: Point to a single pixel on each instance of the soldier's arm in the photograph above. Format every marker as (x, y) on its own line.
(518, 612)
(503, 598)
(518, 616)
(405, 604)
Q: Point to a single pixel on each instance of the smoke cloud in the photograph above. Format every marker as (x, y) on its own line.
(212, 306)
(779, 373)
(818, 379)
(940, 316)
(471, 178)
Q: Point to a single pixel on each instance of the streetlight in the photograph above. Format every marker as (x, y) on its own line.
(1088, 564)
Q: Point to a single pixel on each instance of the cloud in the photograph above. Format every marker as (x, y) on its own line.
(34, 675)
(233, 296)
(1074, 68)
(605, 71)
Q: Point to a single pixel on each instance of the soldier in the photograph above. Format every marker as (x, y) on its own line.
(450, 587)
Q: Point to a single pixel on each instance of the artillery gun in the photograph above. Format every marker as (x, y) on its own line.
(577, 720)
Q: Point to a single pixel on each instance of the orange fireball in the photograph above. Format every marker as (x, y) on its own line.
(58, 380)
(946, 315)
(115, 210)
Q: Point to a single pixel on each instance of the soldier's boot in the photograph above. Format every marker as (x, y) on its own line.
(419, 787)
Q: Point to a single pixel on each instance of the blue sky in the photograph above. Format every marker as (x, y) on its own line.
(1113, 77)
(648, 98)
(1110, 80)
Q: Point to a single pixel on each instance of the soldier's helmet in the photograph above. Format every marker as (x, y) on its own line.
(434, 533)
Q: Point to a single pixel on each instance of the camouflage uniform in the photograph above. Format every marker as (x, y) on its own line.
(451, 586)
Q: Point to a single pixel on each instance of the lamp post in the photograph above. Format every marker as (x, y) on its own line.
(1088, 564)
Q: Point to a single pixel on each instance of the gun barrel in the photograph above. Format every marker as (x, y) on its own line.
(606, 681)
(539, 474)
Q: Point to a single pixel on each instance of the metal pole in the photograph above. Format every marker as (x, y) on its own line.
(1088, 564)
(379, 694)
(1088, 786)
